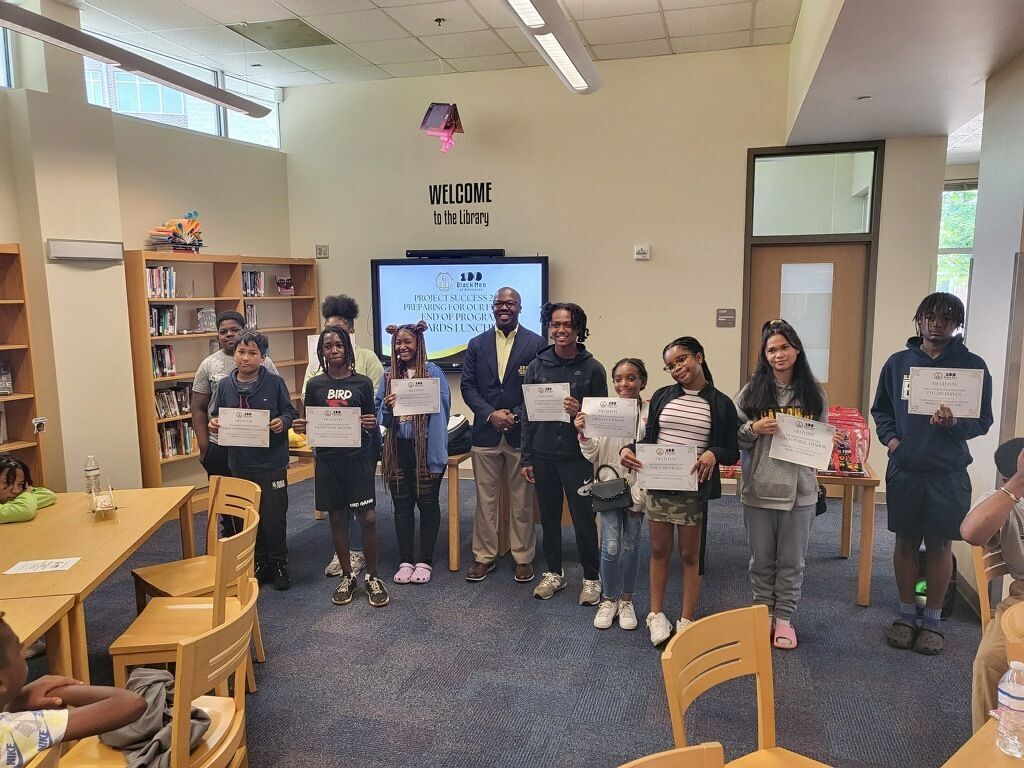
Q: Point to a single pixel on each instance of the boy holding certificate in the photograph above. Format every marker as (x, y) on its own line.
(928, 491)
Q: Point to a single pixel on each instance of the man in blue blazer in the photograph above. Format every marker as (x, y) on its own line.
(492, 386)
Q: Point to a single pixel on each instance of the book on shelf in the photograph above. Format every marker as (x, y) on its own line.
(177, 439)
(250, 316)
(160, 282)
(174, 401)
(6, 379)
(163, 360)
(163, 320)
(253, 283)
(3, 424)
(206, 319)
(285, 286)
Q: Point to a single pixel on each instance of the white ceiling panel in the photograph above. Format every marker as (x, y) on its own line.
(155, 15)
(623, 29)
(494, 12)
(323, 57)
(532, 58)
(293, 79)
(675, 5)
(719, 42)
(419, 19)
(322, 7)
(211, 41)
(466, 44)
(709, 21)
(395, 3)
(483, 63)
(600, 9)
(776, 13)
(354, 74)
(515, 39)
(256, 64)
(95, 20)
(773, 35)
(241, 11)
(633, 50)
(157, 44)
(357, 27)
(393, 51)
(419, 68)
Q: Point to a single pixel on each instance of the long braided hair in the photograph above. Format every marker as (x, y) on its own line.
(398, 370)
(346, 342)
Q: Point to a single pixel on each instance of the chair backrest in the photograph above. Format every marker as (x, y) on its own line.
(202, 664)
(234, 564)
(229, 496)
(988, 565)
(1012, 622)
(716, 649)
(708, 755)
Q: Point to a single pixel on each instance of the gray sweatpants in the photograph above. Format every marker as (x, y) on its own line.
(778, 551)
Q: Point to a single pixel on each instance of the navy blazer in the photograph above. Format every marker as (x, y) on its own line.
(482, 391)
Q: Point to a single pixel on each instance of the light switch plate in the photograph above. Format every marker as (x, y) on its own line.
(323, 252)
(641, 253)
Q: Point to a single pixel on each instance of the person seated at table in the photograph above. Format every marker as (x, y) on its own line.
(996, 521)
(35, 717)
(19, 500)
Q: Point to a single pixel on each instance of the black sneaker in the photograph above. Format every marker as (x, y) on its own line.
(376, 593)
(279, 577)
(263, 573)
(348, 587)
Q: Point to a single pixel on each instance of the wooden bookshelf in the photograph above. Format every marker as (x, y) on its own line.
(216, 281)
(19, 408)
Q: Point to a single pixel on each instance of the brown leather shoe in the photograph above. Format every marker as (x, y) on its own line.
(478, 571)
(524, 572)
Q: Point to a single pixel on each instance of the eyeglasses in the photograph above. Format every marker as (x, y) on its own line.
(677, 363)
(506, 304)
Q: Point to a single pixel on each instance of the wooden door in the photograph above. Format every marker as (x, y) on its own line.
(821, 290)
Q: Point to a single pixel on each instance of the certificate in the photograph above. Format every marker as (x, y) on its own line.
(333, 427)
(416, 396)
(545, 402)
(244, 427)
(802, 441)
(959, 389)
(666, 467)
(610, 416)
(42, 566)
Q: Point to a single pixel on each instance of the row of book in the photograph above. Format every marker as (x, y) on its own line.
(163, 360)
(160, 282)
(178, 439)
(163, 320)
(253, 283)
(175, 401)
(250, 316)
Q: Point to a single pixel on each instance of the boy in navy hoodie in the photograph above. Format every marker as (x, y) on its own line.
(928, 490)
(251, 385)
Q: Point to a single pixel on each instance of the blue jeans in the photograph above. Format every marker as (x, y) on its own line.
(620, 552)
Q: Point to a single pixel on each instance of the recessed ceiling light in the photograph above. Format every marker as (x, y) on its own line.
(863, 98)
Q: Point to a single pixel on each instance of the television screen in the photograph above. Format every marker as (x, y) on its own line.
(454, 297)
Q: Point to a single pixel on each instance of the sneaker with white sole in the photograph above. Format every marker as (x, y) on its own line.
(660, 626)
(358, 561)
(627, 615)
(549, 584)
(376, 593)
(347, 587)
(606, 613)
(591, 592)
(333, 568)
(682, 624)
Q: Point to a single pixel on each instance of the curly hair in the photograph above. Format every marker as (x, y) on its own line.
(9, 466)
(346, 342)
(340, 306)
(579, 317)
(398, 370)
(941, 304)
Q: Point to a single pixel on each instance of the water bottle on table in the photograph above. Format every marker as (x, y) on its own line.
(1010, 734)
(92, 476)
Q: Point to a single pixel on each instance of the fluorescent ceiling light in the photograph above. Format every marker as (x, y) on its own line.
(547, 27)
(76, 41)
(561, 60)
(525, 10)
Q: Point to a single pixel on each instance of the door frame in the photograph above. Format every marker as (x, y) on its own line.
(869, 238)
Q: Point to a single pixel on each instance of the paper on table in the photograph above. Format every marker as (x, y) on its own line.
(244, 427)
(959, 389)
(666, 467)
(544, 402)
(802, 441)
(42, 566)
(416, 396)
(610, 416)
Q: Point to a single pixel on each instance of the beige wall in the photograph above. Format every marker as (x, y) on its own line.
(813, 30)
(8, 191)
(962, 172)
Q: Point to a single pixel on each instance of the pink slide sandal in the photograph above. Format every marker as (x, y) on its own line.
(422, 574)
(784, 637)
(405, 572)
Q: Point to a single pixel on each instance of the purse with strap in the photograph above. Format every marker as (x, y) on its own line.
(610, 495)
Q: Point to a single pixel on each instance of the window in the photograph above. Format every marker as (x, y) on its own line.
(261, 130)
(5, 61)
(956, 239)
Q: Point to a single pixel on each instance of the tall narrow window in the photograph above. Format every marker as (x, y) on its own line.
(5, 61)
(956, 239)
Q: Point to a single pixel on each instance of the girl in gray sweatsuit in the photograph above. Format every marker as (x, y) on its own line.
(778, 497)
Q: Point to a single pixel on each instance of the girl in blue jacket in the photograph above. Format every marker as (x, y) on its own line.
(415, 453)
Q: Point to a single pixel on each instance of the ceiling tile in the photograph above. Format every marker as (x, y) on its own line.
(293, 79)
(494, 12)
(320, 7)
(95, 20)
(323, 57)
(673, 5)
(776, 13)
(211, 40)
(482, 63)
(354, 74)
(155, 15)
(419, 19)
(358, 27)
(394, 3)
(707, 21)
(268, 64)
(719, 42)
(773, 35)
(157, 44)
(281, 34)
(515, 39)
(600, 9)
(419, 68)
(393, 51)
(623, 29)
(466, 44)
(632, 50)
(532, 59)
(241, 11)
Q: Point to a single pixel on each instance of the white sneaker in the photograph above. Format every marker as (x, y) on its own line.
(549, 584)
(627, 614)
(606, 613)
(660, 626)
(358, 561)
(682, 624)
(591, 592)
(333, 568)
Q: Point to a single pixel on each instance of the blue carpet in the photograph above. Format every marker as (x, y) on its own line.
(458, 674)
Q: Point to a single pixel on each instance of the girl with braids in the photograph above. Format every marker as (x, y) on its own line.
(19, 501)
(415, 453)
(690, 412)
(550, 452)
(927, 488)
(344, 479)
(778, 497)
(620, 529)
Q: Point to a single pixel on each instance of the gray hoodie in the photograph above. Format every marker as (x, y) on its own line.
(766, 482)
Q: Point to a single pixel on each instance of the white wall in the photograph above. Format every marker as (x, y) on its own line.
(9, 229)
(813, 29)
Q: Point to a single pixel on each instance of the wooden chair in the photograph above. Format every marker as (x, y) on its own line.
(1012, 622)
(988, 565)
(194, 577)
(154, 636)
(202, 664)
(720, 648)
(708, 755)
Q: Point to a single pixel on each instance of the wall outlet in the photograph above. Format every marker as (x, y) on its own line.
(641, 253)
(323, 251)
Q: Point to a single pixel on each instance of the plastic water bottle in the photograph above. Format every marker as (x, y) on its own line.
(92, 476)
(1010, 734)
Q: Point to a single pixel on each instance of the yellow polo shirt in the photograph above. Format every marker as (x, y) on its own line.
(504, 343)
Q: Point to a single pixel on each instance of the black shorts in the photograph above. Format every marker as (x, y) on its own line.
(216, 460)
(344, 482)
(927, 503)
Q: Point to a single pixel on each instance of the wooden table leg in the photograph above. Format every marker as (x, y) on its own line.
(867, 543)
(79, 647)
(454, 545)
(188, 531)
(58, 648)
(319, 514)
(846, 528)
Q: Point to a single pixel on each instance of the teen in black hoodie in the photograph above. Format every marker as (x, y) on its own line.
(551, 456)
(927, 488)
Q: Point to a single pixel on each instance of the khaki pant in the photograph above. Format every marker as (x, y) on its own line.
(488, 466)
(990, 662)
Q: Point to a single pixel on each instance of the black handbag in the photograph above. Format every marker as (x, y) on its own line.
(610, 495)
(821, 507)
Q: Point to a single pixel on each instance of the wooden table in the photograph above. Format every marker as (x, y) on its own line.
(33, 617)
(867, 521)
(980, 751)
(102, 540)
